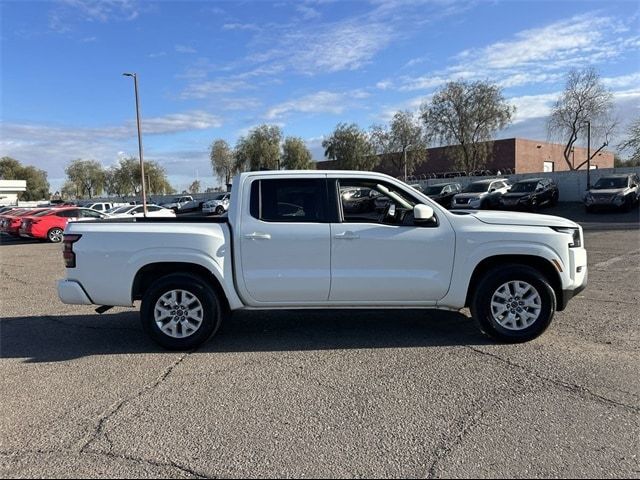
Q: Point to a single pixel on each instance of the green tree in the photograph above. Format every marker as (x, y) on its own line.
(632, 144)
(466, 116)
(69, 190)
(260, 149)
(296, 155)
(37, 183)
(195, 187)
(222, 160)
(351, 148)
(124, 178)
(88, 175)
(404, 139)
(585, 99)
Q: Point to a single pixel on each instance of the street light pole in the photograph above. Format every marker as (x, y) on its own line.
(144, 188)
(405, 160)
(588, 155)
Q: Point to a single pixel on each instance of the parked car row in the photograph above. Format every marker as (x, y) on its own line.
(620, 191)
(44, 223)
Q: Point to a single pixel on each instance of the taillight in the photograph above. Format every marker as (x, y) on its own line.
(67, 250)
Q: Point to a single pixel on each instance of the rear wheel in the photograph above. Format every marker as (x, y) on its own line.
(55, 235)
(180, 311)
(513, 303)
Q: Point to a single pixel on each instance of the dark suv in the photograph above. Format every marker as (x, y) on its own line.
(620, 191)
(530, 194)
(442, 192)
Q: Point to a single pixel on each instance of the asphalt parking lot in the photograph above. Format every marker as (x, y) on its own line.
(314, 394)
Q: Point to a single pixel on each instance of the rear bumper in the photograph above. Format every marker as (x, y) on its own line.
(71, 292)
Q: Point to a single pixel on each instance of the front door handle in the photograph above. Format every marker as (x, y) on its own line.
(348, 235)
(258, 236)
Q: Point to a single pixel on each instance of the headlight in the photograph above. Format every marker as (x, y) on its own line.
(575, 235)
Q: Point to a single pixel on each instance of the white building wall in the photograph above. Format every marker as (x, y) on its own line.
(9, 190)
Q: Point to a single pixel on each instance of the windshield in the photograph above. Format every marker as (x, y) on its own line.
(611, 182)
(121, 209)
(477, 187)
(43, 213)
(219, 197)
(524, 187)
(433, 190)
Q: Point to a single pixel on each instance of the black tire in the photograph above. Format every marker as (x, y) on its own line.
(219, 210)
(554, 199)
(628, 204)
(55, 235)
(588, 209)
(489, 285)
(195, 285)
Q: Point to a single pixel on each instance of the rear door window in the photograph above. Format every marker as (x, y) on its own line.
(289, 200)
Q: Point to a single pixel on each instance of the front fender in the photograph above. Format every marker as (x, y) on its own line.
(466, 264)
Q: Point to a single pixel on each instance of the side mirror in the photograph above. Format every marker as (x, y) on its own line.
(422, 213)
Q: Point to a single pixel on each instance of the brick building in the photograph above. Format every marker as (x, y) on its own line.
(510, 156)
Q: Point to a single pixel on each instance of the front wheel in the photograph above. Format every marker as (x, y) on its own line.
(180, 311)
(55, 235)
(219, 210)
(513, 303)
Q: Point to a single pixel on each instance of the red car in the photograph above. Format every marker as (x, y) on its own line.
(49, 225)
(10, 214)
(11, 223)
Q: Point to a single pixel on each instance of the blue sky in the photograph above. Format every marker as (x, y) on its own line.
(211, 70)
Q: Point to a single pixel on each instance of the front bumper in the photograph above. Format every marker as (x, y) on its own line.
(578, 276)
(71, 292)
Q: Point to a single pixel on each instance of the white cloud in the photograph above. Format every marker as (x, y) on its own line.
(184, 49)
(319, 102)
(51, 147)
(240, 26)
(68, 12)
(623, 81)
(307, 12)
(559, 41)
(536, 56)
(208, 88)
(533, 106)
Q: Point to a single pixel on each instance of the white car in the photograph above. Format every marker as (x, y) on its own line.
(288, 243)
(482, 194)
(217, 205)
(138, 211)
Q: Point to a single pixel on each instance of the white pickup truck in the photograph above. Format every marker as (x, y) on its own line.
(288, 243)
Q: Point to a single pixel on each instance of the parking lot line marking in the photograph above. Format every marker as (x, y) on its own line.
(613, 260)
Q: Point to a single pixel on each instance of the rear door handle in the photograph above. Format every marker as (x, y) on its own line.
(258, 236)
(349, 235)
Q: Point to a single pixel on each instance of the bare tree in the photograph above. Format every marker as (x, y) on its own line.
(632, 143)
(222, 160)
(584, 100)
(466, 116)
(405, 137)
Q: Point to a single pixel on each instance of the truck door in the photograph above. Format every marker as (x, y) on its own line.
(377, 256)
(285, 241)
